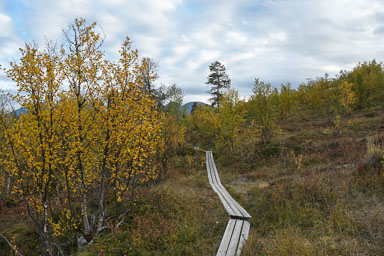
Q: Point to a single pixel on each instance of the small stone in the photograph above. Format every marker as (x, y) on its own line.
(81, 242)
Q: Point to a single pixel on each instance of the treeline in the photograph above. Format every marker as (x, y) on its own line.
(92, 133)
(238, 126)
(361, 88)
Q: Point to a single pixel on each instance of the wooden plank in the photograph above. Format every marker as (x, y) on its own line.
(208, 168)
(230, 201)
(235, 238)
(237, 230)
(226, 238)
(233, 202)
(227, 207)
(225, 198)
(243, 236)
(240, 211)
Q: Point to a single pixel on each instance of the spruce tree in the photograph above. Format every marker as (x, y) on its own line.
(194, 107)
(219, 80)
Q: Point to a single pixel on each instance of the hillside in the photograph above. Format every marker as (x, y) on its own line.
(318, 191)
(315, 192)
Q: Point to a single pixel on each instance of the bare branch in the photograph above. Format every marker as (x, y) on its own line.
(13, 247)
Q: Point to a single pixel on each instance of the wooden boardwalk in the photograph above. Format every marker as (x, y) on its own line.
(238, 226)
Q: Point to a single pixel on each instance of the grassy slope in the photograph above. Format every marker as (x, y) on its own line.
(309, 195)
(180, 216)
(314, 195)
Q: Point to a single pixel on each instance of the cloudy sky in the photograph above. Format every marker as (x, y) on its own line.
(275, 40)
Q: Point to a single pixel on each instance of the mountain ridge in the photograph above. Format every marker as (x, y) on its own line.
(188, 106)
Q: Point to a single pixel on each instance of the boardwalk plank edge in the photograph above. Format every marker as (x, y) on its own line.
(237, 230)
(243, 213)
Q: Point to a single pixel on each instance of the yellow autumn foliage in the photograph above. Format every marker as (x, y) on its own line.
(91, 134)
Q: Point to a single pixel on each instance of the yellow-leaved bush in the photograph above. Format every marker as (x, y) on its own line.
(90, 135)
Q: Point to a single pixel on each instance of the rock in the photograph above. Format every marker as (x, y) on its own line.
(81, 242)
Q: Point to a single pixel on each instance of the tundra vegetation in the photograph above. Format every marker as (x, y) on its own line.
(101, 161)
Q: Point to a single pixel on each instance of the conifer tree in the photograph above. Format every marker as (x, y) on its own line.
(219, 80)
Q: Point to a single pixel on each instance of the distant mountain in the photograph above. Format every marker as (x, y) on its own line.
(188, 106)
(20, 111)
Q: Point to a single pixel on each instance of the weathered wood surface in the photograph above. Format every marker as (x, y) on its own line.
(234, 237)
(225, 241)
(243, 236)
(237, 230)
(233, 208)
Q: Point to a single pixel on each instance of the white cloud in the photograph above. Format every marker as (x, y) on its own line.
(8, 37)
(5, 22)
(204, 57)
(276, 40)
(197, 97)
